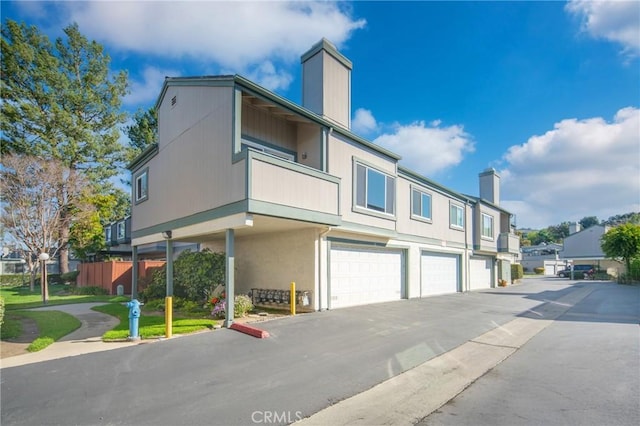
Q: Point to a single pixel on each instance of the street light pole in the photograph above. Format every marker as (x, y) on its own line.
(43, 280)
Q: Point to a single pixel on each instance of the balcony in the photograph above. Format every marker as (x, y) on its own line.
(281, 188)
(508, 243)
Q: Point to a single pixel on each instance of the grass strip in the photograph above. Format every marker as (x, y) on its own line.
(150, 326)
(52, 325)
(19, 297)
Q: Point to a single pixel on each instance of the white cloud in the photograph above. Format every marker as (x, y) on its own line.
(428, 149)
(239, 36)
(580, 168)
(146, 91)
(363, 122)
(617, 21)
(267, 75)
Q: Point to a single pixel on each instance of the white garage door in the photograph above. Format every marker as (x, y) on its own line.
(359, 276)
(480, 273)
(439, 273)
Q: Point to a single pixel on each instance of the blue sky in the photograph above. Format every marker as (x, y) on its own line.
(547, 93)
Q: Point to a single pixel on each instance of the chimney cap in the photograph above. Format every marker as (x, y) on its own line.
(328, 47)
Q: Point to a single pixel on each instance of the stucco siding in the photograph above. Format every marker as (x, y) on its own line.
(274, 260)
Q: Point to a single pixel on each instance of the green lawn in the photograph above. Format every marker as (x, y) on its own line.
(19, 297)
(52, 325)
(150, 326)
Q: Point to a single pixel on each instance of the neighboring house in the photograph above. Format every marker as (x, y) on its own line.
(291, 194)
(582, 247)
(542, 256)
(118, 241)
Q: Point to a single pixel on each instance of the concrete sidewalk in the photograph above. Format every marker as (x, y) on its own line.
(84, 340)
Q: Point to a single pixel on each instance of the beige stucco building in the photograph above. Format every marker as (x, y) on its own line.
(292, 194)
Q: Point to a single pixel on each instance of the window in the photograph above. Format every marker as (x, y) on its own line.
(456, 216)
(421, 204)
(121, 231)
(108, 234)
(487, 226)
(374, 190)
(142, 186)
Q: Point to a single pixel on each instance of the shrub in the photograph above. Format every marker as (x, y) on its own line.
(195, 274)
(242, 305)
(69, 277)
(538, 271)
(516, 272)
(1, 310)
(89, 291)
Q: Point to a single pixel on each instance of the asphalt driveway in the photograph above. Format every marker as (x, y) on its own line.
(224, 377)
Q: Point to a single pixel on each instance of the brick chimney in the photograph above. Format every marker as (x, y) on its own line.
(326, 83)
(490, 186)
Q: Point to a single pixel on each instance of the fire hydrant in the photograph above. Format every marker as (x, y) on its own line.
(134, 315)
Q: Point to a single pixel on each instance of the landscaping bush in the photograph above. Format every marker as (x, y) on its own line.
(538, 271)
(516, 272)
(242, 305)
(1, 310)
(89, 291)
(69, 277)
(14, 280)
(195, 274)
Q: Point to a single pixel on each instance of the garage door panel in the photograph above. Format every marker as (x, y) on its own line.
(360, 276)
(439, 273)
(480, 272)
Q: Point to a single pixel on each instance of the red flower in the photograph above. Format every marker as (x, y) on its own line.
(214, 300)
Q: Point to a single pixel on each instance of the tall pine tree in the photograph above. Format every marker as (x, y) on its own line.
(60, 101)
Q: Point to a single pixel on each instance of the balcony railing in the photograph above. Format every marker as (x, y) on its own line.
(282, 188)
(508, 243)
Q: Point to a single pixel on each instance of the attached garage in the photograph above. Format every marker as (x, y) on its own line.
(480, 272)
(439, 273)
(359, 276)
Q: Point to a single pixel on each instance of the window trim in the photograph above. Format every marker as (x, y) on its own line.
(456, 225)
(137, 177)
(124, 231)
(389, 211)
(482, 234)
(422, 194)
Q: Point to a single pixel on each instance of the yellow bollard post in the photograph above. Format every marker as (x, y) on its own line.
(168, 316)
(293, 298)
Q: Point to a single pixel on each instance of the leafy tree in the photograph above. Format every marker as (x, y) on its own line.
(622, 242)
(539, 237)
(87, 232)
(623, 218)
(588, 222)
(60, 102)
(559, 232)
(143, 132)
(36, 195)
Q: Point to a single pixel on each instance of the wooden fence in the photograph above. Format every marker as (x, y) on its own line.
(109, 275)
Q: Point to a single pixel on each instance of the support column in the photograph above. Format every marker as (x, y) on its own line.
(168, 306)
(134, 272)
(230, 276)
